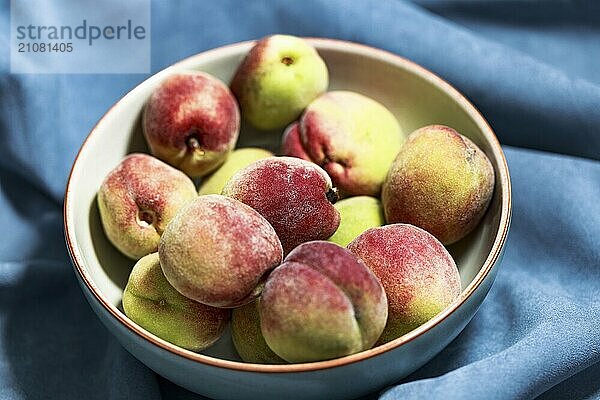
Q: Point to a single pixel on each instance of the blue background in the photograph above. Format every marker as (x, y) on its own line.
(532, 67)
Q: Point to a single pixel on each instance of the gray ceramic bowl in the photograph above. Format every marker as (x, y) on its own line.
(417, 97)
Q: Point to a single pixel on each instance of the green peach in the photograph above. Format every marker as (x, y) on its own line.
(151, 302)
(354, 138)
(236, 161)
(440, 181)
(357, 214)
(248, 338)
(278, 78)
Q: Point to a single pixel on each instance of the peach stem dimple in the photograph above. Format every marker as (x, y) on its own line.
(287, 60)
(193, 143)
(145, 218)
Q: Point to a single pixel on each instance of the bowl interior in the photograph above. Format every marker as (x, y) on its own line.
(416, 98)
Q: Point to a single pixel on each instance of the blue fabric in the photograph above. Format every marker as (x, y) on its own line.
(532, 67)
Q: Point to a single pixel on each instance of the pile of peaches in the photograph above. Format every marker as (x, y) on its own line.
(332, 247)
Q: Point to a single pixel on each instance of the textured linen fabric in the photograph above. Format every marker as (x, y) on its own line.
(531, 67)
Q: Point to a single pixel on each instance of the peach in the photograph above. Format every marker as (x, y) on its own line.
(354, 138)
(152, 303)
(248, 338)
(321, 303)
(291, 145)
(217, 251)
(294, 195)
(192, 121)
(357, 214)
(138, 199)
(419, 275)
(278, 78)
(440, 181)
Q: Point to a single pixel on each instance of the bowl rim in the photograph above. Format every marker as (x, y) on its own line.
(339, 45)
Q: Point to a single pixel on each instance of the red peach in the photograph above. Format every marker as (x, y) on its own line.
(291, 145)
(294, 195)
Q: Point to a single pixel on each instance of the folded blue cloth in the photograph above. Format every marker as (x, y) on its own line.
(531, 67)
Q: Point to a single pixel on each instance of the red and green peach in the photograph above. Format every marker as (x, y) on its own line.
(192, 121)
(218, 251)
(137, 200)
(419, 275)
(354, 138)
(321, 303)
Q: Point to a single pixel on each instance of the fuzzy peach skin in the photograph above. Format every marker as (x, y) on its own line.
(354, 138)
(138, 199)
(419, 275)
(248, 338)
(151, 302)
(278, 78)
(217, 251)
(440, 181)
(291, 144)
(294, 195)
(321, 303)
(192, 121)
